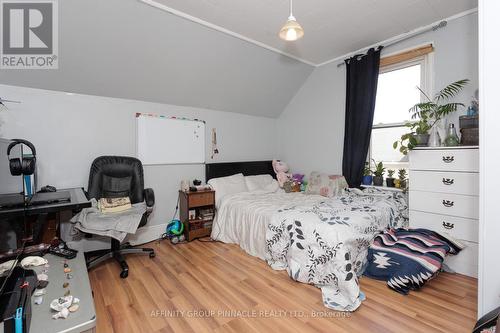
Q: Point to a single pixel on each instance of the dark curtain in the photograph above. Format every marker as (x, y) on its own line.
(362, 78)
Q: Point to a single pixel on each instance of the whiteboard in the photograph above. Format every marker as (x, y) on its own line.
(162, 140)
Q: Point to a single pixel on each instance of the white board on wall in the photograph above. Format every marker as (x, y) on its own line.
(162, 140)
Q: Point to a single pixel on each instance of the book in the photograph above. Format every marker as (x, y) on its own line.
(114, 205)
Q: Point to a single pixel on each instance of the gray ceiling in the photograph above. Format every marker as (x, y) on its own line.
(123, 48)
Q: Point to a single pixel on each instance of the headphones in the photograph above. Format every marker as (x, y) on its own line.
(25, 165)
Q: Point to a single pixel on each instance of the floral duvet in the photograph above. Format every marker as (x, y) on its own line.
(326, 244)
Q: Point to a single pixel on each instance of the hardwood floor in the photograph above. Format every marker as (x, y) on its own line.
(215, 287)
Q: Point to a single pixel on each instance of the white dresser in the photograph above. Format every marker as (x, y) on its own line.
(444, 196)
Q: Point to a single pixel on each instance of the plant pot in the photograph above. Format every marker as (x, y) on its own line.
(390, 182)
(378, 180)
(421, 139)
(367, 180)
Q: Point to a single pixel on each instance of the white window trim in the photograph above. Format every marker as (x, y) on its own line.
(426, 84)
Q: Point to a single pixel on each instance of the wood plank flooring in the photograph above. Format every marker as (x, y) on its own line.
(216, 287)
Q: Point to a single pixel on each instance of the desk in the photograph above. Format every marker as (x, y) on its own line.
(78, 201)
(83, 320)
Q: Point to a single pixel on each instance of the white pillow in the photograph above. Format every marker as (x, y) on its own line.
(259, 182)
(228, 185)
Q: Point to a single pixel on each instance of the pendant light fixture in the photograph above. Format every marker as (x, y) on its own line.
(292, 30)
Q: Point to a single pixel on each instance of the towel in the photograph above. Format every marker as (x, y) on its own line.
(117, 225)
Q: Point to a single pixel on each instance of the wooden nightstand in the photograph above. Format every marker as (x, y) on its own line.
(202, 204)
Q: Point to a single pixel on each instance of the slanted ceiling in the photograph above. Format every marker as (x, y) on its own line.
(125, 49)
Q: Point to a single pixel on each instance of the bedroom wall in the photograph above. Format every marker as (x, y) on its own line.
(311, 129)
(70, 130)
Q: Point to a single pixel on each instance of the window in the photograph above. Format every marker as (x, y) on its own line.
(397, 92)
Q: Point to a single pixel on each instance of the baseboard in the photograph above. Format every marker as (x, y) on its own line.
(146, 234)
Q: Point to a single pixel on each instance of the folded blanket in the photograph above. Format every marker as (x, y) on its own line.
(407, 259)
(116, 225)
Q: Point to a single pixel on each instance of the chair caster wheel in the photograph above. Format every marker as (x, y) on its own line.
(152, 255)
(124, 274)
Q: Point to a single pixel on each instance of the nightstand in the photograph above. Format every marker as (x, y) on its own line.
(197, 211)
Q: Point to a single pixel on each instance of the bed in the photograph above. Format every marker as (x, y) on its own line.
(317, 240)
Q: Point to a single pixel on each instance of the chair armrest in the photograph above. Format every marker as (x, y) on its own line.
(149, 197)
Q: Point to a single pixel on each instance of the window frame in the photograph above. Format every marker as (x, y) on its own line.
(426, 62)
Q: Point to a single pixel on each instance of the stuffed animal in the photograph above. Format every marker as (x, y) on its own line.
(298, 178)
(281, 169)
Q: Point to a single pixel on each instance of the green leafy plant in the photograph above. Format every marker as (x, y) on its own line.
(379, 169)
(367, 171)
(426, 114)
(402, 174)
(402, 178)
(390, 173)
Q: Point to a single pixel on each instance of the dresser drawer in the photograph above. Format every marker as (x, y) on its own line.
(201, 199)
(464, 160)
(466, 261)
(444, 203)
(466, 183)
(456, 227)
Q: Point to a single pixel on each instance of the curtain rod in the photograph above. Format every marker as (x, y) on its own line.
(436, 27)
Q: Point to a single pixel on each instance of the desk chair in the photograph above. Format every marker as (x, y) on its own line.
(113, 177)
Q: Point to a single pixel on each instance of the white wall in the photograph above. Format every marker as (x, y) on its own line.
(489, 224)
(311, 129)
(70, 130)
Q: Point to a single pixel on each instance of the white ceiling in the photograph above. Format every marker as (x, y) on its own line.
(332, 27)
(125, 49)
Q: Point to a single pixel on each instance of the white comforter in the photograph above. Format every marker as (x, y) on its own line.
(318, 240)
(243, 218)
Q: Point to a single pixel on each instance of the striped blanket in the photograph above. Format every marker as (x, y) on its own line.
(407, 259)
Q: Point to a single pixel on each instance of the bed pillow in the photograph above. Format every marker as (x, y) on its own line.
(326, 185)
(261, 183)
(228, 185)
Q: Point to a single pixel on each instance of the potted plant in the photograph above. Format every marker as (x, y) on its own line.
(390, 180)
(378, 179)
(367, 175)
(427, 114)
(401, 182)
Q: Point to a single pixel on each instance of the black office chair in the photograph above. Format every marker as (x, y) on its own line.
(113, 177)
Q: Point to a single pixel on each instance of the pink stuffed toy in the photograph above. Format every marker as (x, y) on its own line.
(281, 169)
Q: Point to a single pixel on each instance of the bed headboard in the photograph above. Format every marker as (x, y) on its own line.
(215, 170)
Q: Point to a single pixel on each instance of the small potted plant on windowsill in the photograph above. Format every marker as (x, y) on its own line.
(378, 179)
(401, 182)
(390, 180)
(367, 175)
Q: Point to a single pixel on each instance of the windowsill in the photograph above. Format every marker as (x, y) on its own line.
(385, 188)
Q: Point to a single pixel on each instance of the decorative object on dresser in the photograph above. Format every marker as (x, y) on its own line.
(203, 205)
(469, 128)
(426, 115)
(444, 197)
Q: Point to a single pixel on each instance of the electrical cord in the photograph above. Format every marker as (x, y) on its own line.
(165, 235)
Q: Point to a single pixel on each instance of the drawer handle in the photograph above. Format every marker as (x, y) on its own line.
(448, 226)
(448, 159)
(448, 203)
(448, 181)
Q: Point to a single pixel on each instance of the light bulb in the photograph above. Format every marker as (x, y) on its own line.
(291, 34)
